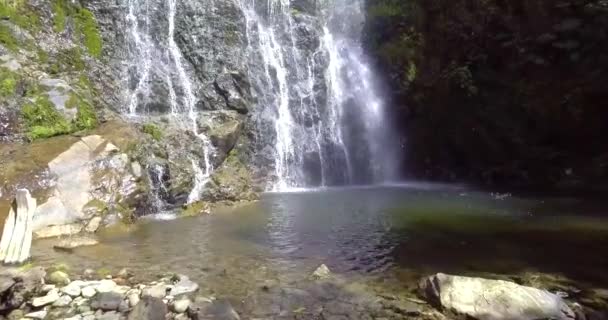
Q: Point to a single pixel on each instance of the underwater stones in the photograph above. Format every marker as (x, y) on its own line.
(486, 299)
(322, 272)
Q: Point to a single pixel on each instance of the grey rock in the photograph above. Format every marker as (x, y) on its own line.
(63, 301)
(157, 291)
(49, 298)
(37, 315)
(15, 314)
(183, 286)
(106, 285)
(180, 306)
(149, 308)
(486, 299)
(93, 224)
(111, 315)
(133, 299)
(123, 307)
(88, 292)
(107, 301)
(72, 289)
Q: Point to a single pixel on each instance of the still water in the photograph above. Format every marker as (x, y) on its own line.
(388, 235)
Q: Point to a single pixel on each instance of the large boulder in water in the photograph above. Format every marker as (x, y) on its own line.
(485, 299)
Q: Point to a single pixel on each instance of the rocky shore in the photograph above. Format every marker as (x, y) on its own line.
(37, 293)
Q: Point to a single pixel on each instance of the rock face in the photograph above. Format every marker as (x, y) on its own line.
(485, 299)
(451, 67)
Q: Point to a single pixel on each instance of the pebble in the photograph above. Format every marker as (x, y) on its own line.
(59, 277)
(50, 297)
(47, 287)
(63, 301)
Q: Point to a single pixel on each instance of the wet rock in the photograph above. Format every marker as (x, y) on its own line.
(493, 299)
(107, 301)
(123, 307)
(15, 314)
(183, 286)
(180, 306)
(149, 308)
(218, 309)
(58, 278)
(93, 225)
(63, 301)
(157, 291)
(322, 272)
(49, 298)
(89, 274)
(37, 315)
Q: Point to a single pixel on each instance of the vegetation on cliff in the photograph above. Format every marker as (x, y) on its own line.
(497, 92)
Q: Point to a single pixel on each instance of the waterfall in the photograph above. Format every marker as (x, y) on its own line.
(320, 97)
(155, 63)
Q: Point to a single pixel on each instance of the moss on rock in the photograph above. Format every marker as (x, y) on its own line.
(87, 26)
(153, 131)
(43, 120)
(8, 82)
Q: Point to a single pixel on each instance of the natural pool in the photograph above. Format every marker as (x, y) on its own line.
(383, 239)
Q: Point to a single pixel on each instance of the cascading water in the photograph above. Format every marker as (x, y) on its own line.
(154, 63)
(318, 92)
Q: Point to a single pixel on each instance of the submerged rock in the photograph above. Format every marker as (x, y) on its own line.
(322, 272)
(183, 286)
(486, 299)
(219, 309)
(74, 242)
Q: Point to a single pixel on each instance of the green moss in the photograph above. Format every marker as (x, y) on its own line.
(87, 26)
(7, 39)
(42, 120)
(103, 272)
(85, 116)
(8, 83)
(193, 209)
(59, 15)
(20, 13)
(153, 130)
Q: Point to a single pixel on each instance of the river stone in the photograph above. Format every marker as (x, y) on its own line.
(49, 298)
(149, 308)
(180, 306)
(183, 286)
(123, 307)
(107, 301)
(486, 299)
(72, 289)
(15, 314)
(106, 285)
(63, 301)
(133, 299)
(37, 315)
(88, 292)
(157, 291)
(24, 285)
(58, 278)
(112, 315)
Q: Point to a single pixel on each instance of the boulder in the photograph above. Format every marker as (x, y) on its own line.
(157, 291)
(88, 292)
(63, 301)
(72, 290)
(106, 285)
(19, 288)
(180, 306)
(485, 299)
(93, 224)
(149, 308)
(107, 301)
